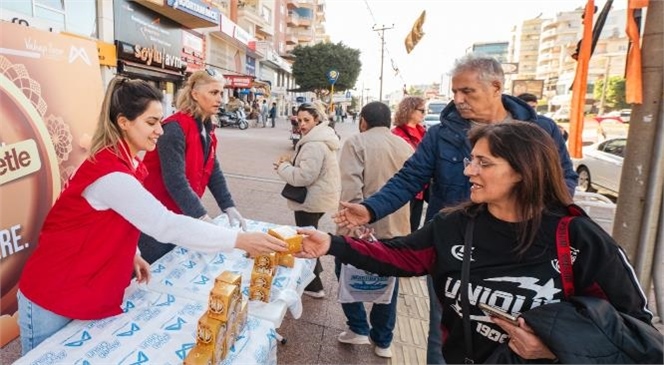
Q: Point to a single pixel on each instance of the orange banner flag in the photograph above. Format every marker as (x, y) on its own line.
(579, 88)
(633, 77)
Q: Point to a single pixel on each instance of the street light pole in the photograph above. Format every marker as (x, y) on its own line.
(382, 54)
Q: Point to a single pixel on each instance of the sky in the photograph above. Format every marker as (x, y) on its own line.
(451, 26)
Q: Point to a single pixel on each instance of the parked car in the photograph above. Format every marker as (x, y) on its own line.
(436, 106)
(430, 120)
(601, 165)
(623, 116)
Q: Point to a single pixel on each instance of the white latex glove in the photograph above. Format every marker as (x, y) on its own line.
(234, 215)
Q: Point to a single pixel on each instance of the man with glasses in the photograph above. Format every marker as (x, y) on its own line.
(477, 84)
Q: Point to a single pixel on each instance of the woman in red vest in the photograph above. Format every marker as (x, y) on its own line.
(88, 243)
(185, 161)
(408, 125)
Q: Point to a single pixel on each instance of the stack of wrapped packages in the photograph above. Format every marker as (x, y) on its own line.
(222, 323)
(265, 266)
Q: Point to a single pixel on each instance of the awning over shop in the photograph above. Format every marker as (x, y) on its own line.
(261, 87)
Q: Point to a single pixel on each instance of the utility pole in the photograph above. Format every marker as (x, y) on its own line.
(382, 30)
(639, 221)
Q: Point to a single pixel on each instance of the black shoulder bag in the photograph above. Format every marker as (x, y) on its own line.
(295, 193)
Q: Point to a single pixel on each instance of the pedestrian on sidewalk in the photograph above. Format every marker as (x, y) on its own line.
(408, 125)
(264, 112)
(87, 246)
(367, 161)
(273, 113)
(314, 166)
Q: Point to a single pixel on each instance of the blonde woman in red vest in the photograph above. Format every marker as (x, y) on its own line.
(185, 160)
(88, 244)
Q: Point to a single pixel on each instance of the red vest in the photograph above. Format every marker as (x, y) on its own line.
(196, 170)
(84, 259)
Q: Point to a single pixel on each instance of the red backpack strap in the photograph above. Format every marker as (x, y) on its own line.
(565, 256)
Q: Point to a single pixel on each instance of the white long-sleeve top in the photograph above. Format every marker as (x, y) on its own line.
(126, 196)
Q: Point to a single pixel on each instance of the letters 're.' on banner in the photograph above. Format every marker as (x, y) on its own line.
(416, 33)
(50, 96)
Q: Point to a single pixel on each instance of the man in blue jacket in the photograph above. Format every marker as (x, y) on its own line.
(477, 84)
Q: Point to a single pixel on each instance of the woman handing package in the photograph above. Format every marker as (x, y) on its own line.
(88, 243)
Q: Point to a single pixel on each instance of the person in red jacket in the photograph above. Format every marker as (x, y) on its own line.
(408, 125)
(88, 243)
(185, 161)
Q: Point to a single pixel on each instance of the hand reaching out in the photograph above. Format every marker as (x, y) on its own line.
(256, 243)
(351, 215)
(235, 216)
(315, 243)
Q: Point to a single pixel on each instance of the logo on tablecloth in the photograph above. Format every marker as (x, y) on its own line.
(141, 358)
(190, 264)
(134, 328)
(170, 299)
(203, 281)
(158, 269)
(182, 352)
(220, 259)
(85, 336)
(129, 305)
(177, 325)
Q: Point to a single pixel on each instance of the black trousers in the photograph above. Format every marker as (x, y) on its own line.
(303, 219)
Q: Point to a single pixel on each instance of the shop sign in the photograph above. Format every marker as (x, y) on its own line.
(236, 81)
(136, 24)
(196, 8)
(50, 91)
(250, 66)
(234, 31)
(193, 50)
(150, 56)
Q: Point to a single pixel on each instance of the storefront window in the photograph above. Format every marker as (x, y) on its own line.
(53, 4)
(81, 18)
(75, 16)
(23, 7)
(54, 16)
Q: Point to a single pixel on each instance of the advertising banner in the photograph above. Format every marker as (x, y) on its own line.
(50, 96)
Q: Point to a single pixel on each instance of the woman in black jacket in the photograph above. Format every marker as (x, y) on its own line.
(518, 197)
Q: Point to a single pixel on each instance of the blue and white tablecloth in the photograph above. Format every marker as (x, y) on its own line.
(159, 322)
(155, 328)
(191, 274)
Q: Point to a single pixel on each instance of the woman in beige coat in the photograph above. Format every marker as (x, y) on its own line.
(314, 166)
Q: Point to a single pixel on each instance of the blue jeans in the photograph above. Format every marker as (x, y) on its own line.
(435, 340)
(36, 323)
(383, 317)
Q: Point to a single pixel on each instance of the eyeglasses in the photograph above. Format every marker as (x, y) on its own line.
(477, 164)
(210, 71)
(422, 110)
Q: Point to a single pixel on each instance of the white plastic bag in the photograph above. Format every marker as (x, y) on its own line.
(357, 285)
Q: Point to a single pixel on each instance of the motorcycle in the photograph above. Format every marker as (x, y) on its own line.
(232, 119)
(295, 134)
